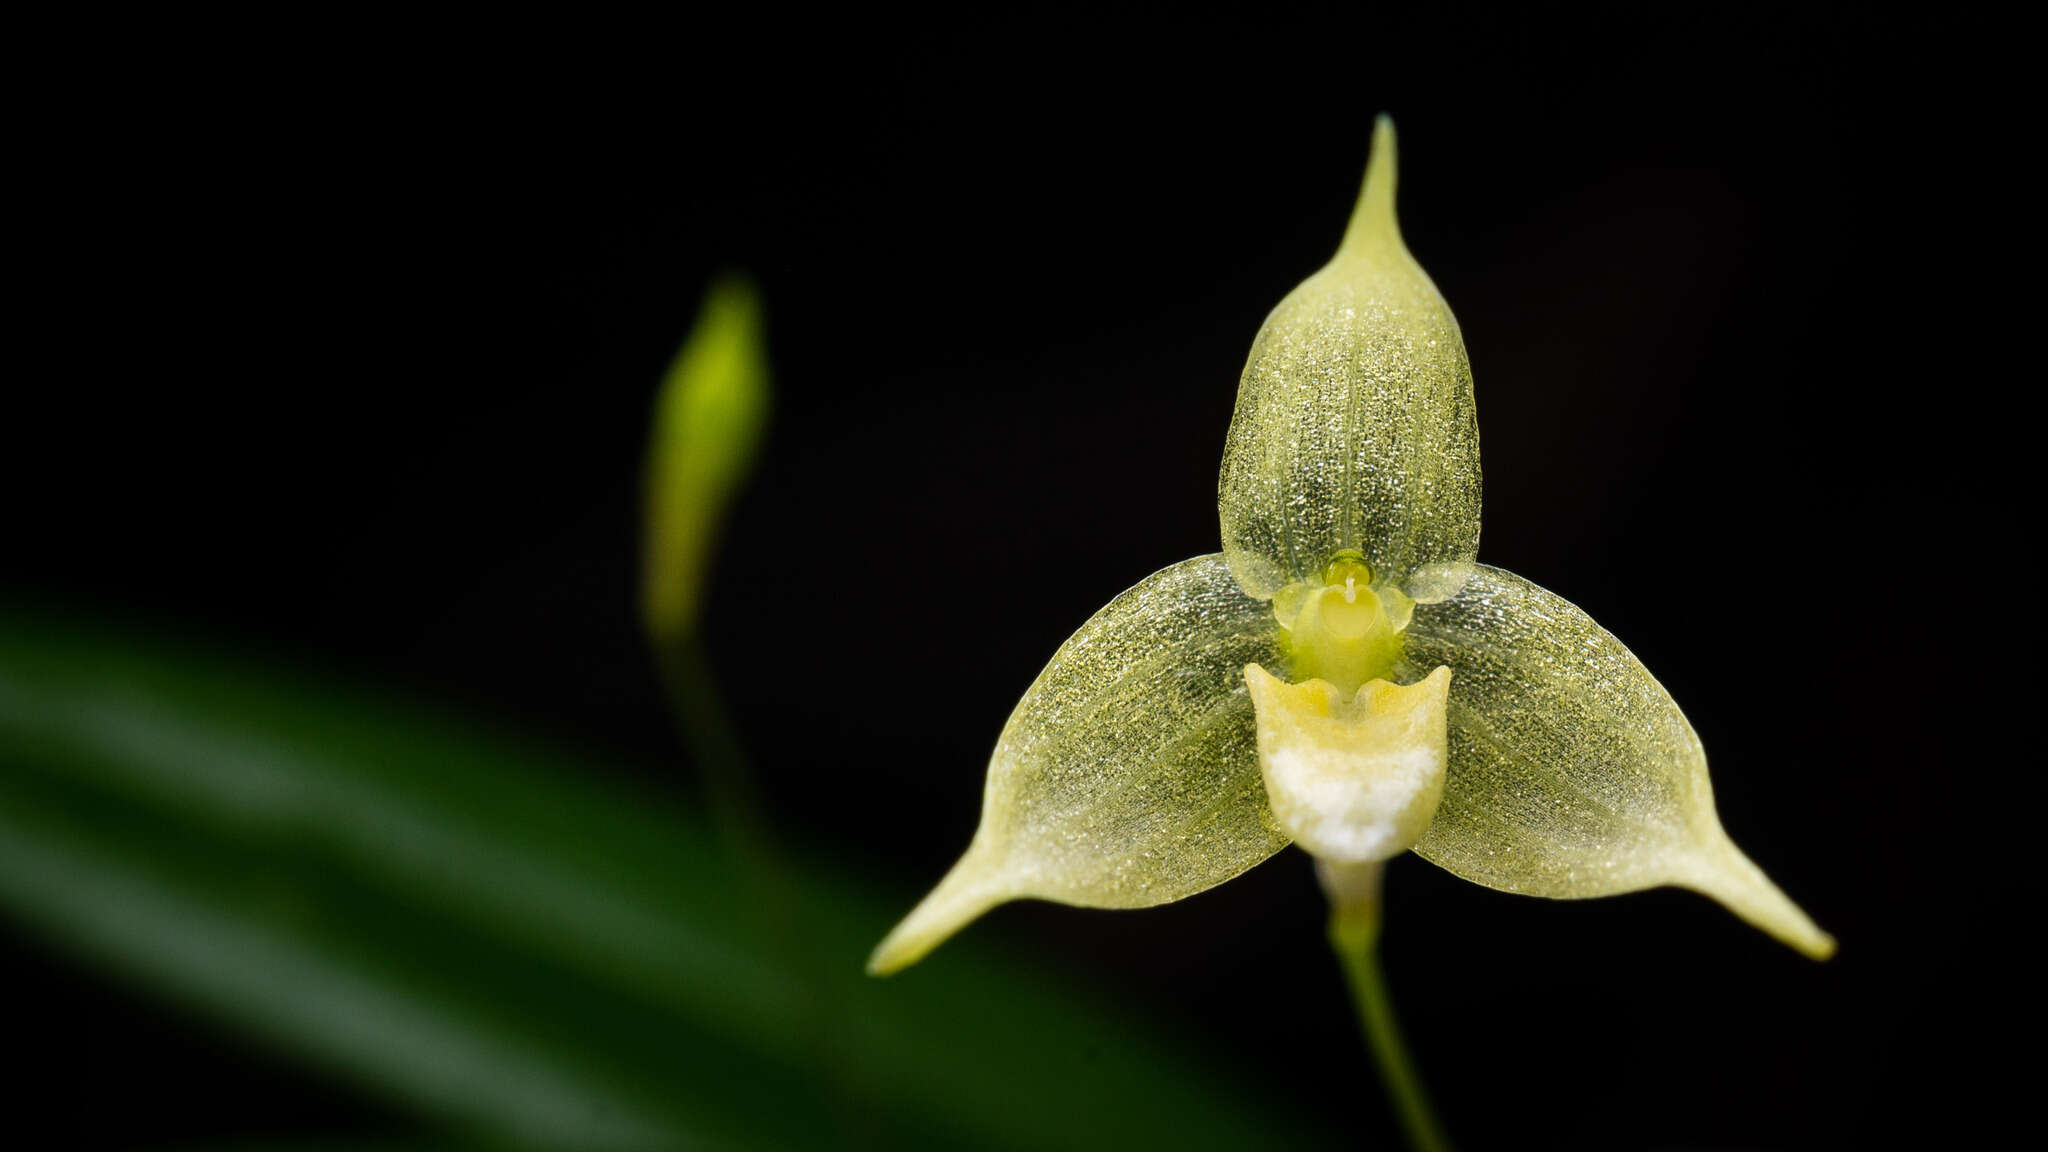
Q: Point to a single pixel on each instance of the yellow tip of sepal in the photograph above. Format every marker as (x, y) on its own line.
(965, 893)
(1373, 228)
(1720, 870)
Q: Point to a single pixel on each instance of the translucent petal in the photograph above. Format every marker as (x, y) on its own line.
(1573, 773)
(1354, 425)
(1128, 775)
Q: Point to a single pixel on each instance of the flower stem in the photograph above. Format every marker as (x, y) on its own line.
(1354, 892)
(761, 868)
(701, 722)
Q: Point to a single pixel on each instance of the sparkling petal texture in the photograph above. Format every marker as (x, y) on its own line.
(1572, 771)
(1128, 775)
(1355, 425)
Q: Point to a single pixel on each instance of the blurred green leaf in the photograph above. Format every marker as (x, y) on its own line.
(512, 942)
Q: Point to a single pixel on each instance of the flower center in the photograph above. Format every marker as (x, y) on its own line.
(1343, 629)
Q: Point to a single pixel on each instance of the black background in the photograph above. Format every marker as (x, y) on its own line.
(342, 354)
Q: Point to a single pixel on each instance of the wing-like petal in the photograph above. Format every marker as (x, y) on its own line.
(1355, 425)
(1572, 771)
(1128, 775)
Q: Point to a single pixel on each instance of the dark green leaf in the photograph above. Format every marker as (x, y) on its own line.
(513, 942)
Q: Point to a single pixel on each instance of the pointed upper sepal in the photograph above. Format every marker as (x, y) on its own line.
(1374, 233)
(1128, 775)
(1573, 773)
(1355, 426)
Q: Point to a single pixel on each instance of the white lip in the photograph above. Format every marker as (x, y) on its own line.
(1352, 780)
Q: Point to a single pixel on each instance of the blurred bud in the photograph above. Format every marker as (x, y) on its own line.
(708, 418)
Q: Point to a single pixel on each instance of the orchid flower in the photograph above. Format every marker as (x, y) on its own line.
(1344, 675)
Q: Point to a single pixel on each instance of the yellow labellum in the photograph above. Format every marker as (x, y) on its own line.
(1353, 779)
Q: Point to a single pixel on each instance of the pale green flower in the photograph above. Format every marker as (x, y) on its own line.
(1436, 703)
